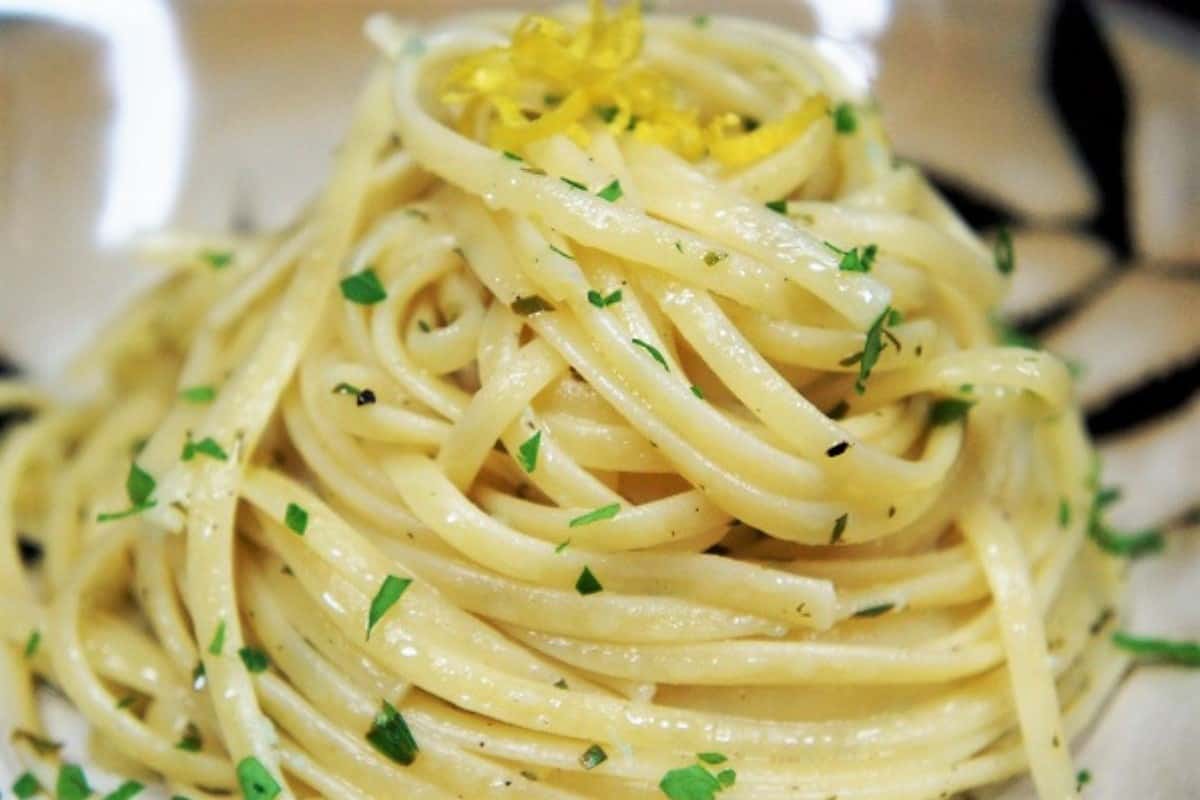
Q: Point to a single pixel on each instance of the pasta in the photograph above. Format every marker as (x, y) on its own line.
(622, 420)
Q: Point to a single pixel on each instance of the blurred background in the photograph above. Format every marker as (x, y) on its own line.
(1076, 124)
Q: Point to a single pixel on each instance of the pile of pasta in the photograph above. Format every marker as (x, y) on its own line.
(622, 420)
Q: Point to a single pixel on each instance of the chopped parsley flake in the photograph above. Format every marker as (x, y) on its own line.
(612, 193)
(561, 546)
(424, 326)
(603, 512)
(593, 757)
(562, 253)
(363, 288)
(218, 640)
(1184, 653)
(875, 611)
(561, 683)
(254, 659)
(839, 527)
(527, 453)
(390, 735)
(701, 20)
(389, 592)
(1003, 252)
(31, 644)
(26, 786)
(712, 257)
(945, 412)
(72, 783)
(696, 390)
(607, 113)
(574, 184)
(869, 356)
(346, 388)
(854, 261)
(511, 156)
(602, 301)
(844, 119)
(199, 394)
(690, 783)
(296, 518)
(653, 351)
(712, 758)
(1131, 545)
(139, 486)
(727, 778)
(587, 583)
(779, 206)
(206, 446)
(679, 245)
(1064, 513)
(125, 791)
(552, 99)
(127, 701)
(190, 741)
(256, 781)
(217, 259)
(528, 305)
(1082, 778)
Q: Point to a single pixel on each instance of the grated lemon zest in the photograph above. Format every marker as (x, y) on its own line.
(596, 66)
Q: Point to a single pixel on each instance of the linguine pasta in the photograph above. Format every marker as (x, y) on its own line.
(622, 420)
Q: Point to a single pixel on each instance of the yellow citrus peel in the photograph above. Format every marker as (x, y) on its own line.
(549, 79)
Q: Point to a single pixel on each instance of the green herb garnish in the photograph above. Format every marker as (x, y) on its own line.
(389, 592)
(712, 758)
(854, 261)
(602, 301)
(612, 192)
(1003, 252)
(574, 184)
(363, 288)
(701, 20)
(593, 757)
(607, 113)
(945, 412)
(31, 644)
(72, 783)
(390, 735)
(206, 446)
(528, 305)
(696, 390)
(527, 453)
(296, 518)
(690, 783)
(561, 546)
(26, 786)
(603, 512)
(217, 259)
(511, 156)
(727, 778)
(839, 527)
(868, 357)
(1131, 545)
(1082, 778)
(875, 611)
(844, 119)
(190, 741)
(587, 584)
(713, 257)
(653, 351)
(254, 659)
(139, 486)
(125, 791)
(199, 394)
(1153, 649)
(256, 781)
(218, 639)
(779, 206)
(562, 253)
(1064, 513)
(346, 388)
